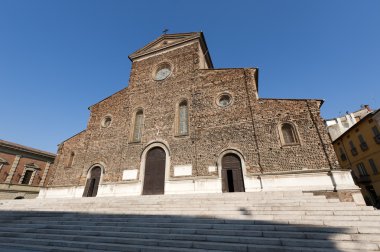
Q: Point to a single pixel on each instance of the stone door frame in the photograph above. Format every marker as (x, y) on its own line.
(143, 162)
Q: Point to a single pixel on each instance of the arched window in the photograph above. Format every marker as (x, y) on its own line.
(71, 159)
(137, 129)
(288, 133)
(183, 118)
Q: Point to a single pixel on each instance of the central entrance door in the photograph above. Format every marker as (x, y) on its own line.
(232, 176)
(92, 183)
(154, 178)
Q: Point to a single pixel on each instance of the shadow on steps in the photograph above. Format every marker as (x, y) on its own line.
(75, 231)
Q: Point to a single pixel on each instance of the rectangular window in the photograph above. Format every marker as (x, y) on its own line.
(376, 134)
(354, 152)
(342, 154)
(352, 145)
(27, 176)
(375, 131)
(361, 139)
(373, 166)
(363, 144)
(362, 170)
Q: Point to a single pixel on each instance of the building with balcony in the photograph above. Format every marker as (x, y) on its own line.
(358, 149)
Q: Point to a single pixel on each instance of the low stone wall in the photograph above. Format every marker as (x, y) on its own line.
(328, 183)
(8, 191)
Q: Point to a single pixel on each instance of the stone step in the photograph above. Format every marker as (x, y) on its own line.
(12, 247)
(273, 215)
(229, 196)
(289, 203)
(229, 215)
(119, 207)
(204, 206)
(347, 209)
(187, 241)
(17, 247)
(167, 199)
(195, 223)
(24, 246)
(175, 205)
(363, 215)
(260, 221)
(185, 199)
(150, 232)
(199, 228)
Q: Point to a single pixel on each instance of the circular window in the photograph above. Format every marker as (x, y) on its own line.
(106, 122)
(163, 71)
(224, 100)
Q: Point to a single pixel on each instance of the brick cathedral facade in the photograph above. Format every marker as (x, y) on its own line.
(183, 126)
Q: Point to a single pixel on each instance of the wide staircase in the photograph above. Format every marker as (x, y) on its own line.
(260, 221)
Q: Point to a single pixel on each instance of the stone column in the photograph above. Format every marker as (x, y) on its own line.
(13, 169)
(47, 166)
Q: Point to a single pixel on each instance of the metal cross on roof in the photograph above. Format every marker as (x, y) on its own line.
(165, 31)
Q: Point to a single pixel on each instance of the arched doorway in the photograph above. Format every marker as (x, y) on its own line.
(154, 178)
(92, 183)
(232, 176)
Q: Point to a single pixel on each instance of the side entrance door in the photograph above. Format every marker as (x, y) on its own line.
(232, 175)
(92, 183)
(154, 178)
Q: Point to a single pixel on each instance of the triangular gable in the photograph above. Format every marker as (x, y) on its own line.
(169, 40)
(164, 41)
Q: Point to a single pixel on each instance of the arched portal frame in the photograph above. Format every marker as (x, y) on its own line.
(149, 146)
(97, 164)
(242, 164)
(102, 171)
(231, 151)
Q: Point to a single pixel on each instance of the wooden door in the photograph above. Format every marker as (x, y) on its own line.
(92, 183)
(154, 178)
(232, 175)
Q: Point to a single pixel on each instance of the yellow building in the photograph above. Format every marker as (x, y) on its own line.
(358, 149)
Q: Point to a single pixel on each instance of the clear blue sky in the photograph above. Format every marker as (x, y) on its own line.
(59, 57)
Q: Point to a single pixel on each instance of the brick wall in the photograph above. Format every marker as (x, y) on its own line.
(249, 125)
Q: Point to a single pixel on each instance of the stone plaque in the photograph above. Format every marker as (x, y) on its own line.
(130, 174)
(183, 170)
